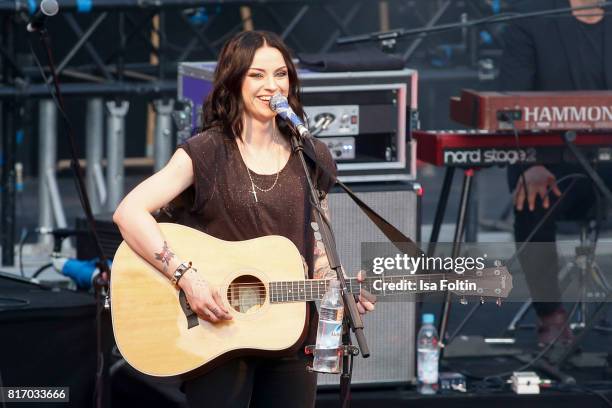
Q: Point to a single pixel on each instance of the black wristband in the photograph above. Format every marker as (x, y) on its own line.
(179, 272)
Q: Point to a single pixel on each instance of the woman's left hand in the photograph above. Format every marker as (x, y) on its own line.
(366, 299)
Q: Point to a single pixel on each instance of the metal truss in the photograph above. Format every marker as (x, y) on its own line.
(204, 26)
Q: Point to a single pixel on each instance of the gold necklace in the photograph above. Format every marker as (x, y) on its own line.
(255, 187)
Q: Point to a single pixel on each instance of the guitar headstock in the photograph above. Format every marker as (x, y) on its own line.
(493, 282)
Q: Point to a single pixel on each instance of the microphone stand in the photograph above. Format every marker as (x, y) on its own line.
(352, 318)
(101, 282)
(389, 38)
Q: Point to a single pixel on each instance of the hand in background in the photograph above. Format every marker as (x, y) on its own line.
(538, 180)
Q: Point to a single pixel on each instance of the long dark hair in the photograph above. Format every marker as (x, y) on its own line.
(223, 107)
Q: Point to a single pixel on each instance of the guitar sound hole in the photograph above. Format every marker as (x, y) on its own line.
(246, 294)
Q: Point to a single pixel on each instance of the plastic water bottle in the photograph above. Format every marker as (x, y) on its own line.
(428, 354)
(327, 355)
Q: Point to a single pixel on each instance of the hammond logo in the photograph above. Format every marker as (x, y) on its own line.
(489, 156)
(568, 114)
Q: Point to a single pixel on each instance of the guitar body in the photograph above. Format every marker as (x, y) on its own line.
(152, 328)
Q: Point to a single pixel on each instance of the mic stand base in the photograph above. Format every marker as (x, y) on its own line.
(347, 367)
(348, 351)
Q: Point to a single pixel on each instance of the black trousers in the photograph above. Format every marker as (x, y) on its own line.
(540, 262)
(254, 382)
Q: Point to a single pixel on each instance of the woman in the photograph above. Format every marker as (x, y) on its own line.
(246, 183)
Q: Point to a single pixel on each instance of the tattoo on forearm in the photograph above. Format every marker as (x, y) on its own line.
(321, 264)
(164, 257)
(325, 207)
(324, 272)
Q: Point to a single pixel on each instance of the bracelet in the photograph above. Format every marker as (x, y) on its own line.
(179, 272)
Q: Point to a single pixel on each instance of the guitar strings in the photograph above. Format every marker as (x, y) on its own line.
(282, 283)
(323, 282)
(278, 289)
(278, 286)
(283, 286)
(263, 292)
(318, 281)
(260, 290)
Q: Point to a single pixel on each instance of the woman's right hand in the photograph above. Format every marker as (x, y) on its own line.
(203, 299)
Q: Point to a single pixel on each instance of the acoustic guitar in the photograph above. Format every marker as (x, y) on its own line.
(261, 282)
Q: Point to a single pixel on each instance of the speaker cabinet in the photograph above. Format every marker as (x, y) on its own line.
(49, 339)
(390, 329)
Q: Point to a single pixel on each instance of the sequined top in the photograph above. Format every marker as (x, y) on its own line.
(223, 203)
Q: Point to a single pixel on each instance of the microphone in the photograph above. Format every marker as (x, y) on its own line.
(48, 8)
(280, 105)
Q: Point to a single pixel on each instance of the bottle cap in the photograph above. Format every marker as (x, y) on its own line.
(428, 318)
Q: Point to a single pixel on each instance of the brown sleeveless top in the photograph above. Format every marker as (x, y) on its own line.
(223, 204)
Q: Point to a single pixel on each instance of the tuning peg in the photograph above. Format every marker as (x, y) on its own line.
(463, 300)
(498, 302)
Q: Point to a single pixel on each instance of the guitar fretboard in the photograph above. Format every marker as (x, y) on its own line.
(297, 291)
(314, 289)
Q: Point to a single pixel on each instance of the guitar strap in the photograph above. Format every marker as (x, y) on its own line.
(401, 241)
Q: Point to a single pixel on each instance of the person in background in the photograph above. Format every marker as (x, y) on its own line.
(554, 53)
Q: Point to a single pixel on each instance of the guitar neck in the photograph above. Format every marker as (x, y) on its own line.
(314, 289)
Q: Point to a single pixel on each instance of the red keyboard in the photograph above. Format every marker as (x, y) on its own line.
(495, 111)
(479, 148)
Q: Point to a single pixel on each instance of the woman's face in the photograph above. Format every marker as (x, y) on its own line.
(266, 76)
